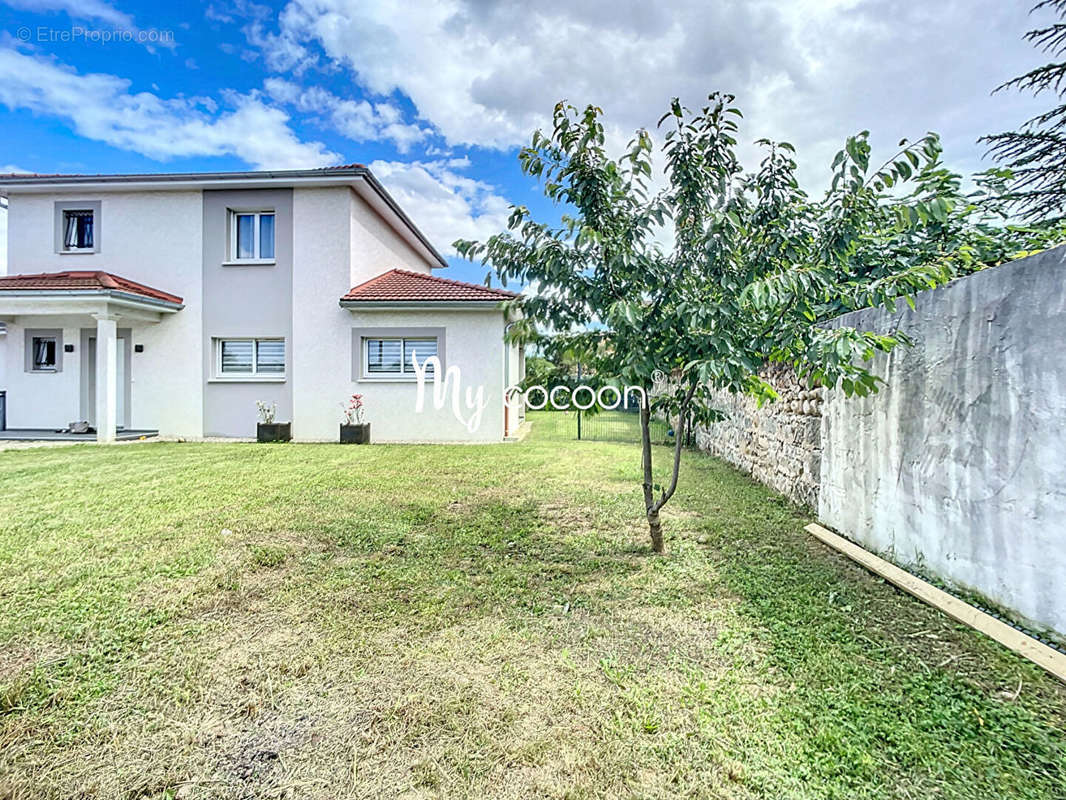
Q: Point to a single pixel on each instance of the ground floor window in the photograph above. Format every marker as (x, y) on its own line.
(392, 357)
(44, 353)
(250, 357)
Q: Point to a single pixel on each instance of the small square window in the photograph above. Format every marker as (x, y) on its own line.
(44, 353)
(78, 230)
(252, 236)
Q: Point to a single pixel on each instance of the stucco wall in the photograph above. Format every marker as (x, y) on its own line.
(473, 342)
(958, 466)
(41, 399)
(254, 301)
(515, 364)
(3, 359)
(176, 241)
(778, 444)
(337, 245)
(376, 247)
(322, 256)
(150, 237)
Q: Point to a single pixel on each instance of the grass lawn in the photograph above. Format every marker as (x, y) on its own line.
(318, 621)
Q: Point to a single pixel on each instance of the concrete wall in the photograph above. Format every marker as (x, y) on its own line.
(515, 364)
(778, 444)
(245, 301)
(321, 329)
(327, 240)
(375, 246)
(473, 341)
(3, 359)
(959, 465)
(150, 237)
(338, 243)
(41, 399)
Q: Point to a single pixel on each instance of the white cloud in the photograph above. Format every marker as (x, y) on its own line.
(98, 11)
(488, 73)
(359, 120)
(811, 71)
(444, 204)
(78, 9)
(101, 107)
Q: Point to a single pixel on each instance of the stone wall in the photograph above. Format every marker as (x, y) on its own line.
(779, 444)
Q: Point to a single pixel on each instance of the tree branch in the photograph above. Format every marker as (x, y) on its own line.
(679, 441)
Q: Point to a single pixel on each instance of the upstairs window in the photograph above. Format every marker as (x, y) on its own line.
(252, 236)
(43, 349)
(77, 230)
(392, 357)
(251, 357)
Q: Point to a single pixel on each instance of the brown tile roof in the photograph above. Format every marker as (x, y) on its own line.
(401, 285)
(83, 280)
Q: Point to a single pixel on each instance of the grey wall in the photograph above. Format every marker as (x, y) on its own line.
(958, 466)
(245, 301)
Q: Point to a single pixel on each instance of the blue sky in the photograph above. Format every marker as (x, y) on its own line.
(436, 97)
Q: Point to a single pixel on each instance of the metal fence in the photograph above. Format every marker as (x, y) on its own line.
(603, 426)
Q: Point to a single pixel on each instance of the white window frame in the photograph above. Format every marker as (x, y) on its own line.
(234, 256)
(254, 375)
(406, 372)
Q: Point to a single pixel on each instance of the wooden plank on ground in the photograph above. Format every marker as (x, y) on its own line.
(1037, 652)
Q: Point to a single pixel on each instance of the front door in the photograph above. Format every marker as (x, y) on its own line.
(120, 381)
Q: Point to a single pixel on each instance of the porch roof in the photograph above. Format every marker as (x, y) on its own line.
(401, 286)
(87, 283)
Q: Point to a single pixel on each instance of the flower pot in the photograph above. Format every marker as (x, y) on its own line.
(355, 434)
(274, 432)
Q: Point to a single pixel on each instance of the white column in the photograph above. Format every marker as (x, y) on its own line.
(106, 376)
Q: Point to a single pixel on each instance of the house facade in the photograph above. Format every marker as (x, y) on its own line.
(174, 303)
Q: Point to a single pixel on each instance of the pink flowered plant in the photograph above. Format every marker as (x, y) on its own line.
(353, 411)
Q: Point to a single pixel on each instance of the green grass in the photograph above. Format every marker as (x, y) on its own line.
(318, 621)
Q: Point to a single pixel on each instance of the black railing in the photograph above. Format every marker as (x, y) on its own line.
(601, 426)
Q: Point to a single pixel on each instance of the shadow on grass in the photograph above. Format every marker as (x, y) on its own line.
(887, 696)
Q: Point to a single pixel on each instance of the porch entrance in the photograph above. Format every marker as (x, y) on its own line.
(121, 383)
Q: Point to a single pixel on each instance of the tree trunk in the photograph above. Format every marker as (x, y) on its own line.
(655, 527)
(651, 505)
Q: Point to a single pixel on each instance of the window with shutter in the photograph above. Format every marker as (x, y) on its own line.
(250, 357)
(392, 357)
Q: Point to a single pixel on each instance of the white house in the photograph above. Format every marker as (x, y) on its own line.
(174, 302)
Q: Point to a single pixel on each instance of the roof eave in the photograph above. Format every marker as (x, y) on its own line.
(385, 305)
(375, 184)
(53, 181)
(195, 180)
(123, 297)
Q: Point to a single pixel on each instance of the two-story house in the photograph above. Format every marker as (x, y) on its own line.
(173, 303)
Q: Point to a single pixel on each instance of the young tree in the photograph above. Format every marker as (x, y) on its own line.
(1036, 154)
(753, 265)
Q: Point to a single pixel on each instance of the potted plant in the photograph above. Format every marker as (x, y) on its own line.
(353, 429)
(268, 430)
